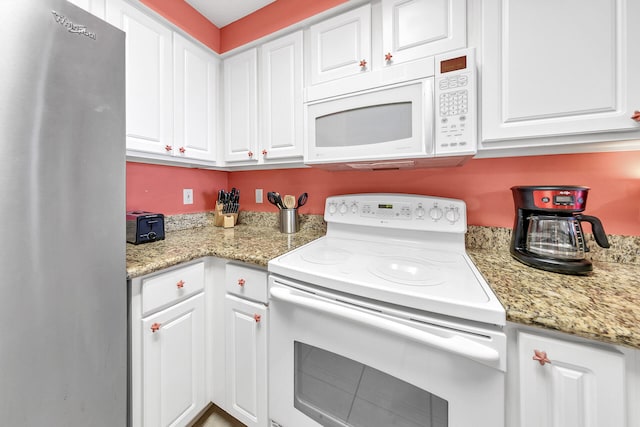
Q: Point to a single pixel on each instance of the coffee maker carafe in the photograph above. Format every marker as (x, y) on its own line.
(547, 233)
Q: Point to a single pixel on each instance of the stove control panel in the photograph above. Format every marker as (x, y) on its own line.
(404, 211)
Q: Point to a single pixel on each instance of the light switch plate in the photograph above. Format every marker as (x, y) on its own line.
(187, 196)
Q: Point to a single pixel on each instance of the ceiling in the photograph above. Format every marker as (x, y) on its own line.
(223, 12)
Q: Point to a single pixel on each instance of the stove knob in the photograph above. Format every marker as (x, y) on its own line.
(332, 208)
(354, 208)
(420, 211)
(435, 213)
(452, 215)
(343, 208)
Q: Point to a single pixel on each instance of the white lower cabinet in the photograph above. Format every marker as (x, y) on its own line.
(168, 347)
(564, 383)
(173, 364)
(246, 323)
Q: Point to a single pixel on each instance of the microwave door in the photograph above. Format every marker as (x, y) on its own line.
(390, 123)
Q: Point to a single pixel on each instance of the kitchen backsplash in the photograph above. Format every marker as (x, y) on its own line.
(484, 184)
(259, 219)
(624, 249)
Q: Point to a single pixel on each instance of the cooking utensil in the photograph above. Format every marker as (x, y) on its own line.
(278, 198)
(274, 199)
(302, 199)
(289, 201)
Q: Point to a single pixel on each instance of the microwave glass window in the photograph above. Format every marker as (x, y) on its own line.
(364, 126)
(336, 391)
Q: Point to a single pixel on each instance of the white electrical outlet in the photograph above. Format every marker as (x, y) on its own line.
(187, 196)
(258, 195)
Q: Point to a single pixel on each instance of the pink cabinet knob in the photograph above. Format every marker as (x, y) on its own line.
(257, 318)
(388, 56)
(168, 148)
(182, 150)
(155, 327)
(541, 357)
(636, 116)
(264, 152)
(241, 282)
(180, 284)
(250, 154)
(363, 64)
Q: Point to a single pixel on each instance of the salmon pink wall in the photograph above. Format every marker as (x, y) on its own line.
(614, 179)
(157, 188)
(190, 20)
(271, 18)
(484, 184)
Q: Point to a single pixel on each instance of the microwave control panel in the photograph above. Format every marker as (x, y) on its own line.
(455, 103)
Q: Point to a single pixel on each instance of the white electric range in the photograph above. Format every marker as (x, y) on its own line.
(406, 250)
(385, 321)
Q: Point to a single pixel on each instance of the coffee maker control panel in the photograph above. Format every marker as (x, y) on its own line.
(552, 198)
(559, 199)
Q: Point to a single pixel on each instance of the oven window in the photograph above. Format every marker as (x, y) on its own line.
(363, 126)
(336, 392)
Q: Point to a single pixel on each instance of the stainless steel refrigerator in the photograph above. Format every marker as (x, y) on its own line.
(63, 298)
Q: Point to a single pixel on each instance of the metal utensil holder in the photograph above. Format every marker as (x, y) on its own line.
(289, 221)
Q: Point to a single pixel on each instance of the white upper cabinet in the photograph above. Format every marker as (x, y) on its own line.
(281, 88)
(413, 29)
(171, 90)
(195, 93)
(376, 37)
(341, 46)
(240, 83)
(263, 86)
(149, 78)
(558, 70)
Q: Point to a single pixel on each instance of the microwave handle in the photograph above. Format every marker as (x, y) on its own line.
(453, 344)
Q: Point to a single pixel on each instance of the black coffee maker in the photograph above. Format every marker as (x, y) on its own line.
(547, 232)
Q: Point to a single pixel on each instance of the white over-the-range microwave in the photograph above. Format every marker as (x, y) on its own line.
(420, 114)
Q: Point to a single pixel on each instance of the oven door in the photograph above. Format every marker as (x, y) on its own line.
(336, 362)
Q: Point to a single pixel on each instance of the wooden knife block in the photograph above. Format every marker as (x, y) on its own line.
(224, 220)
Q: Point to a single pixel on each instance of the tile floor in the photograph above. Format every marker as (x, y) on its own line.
(216, 417)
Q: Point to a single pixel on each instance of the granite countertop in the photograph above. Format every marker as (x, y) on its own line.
(604, 306)
(255, 242)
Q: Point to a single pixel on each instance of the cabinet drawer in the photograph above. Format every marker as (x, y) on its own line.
(247, 282)
(172, 286)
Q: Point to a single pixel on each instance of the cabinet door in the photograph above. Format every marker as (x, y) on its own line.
(340, 44)
(281, 87)
(149, 78)
(96, 7)
(558, 68)
(246, 349)
(413, 29)
(173, 369)
(582, 386)
(241, 106)
(195, 82)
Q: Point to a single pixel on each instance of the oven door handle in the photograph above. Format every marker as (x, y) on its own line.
(453, 344)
